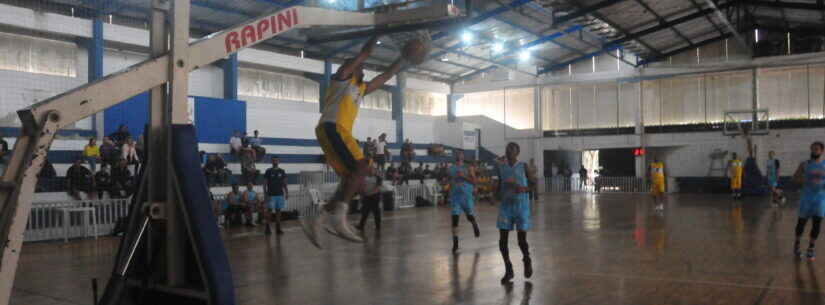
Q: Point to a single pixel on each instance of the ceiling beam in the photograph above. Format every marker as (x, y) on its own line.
(686, 48)
(662, 20)
(819, 6)
(699, 8)
(669, 24)
(565, 64)
(583, 11)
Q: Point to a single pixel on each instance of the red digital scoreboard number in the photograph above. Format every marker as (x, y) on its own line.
(639, 152)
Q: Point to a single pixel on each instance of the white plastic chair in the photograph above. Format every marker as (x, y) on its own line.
(433, 193)
(315, 196)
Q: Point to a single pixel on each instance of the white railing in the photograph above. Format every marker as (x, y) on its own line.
(597, 185)
(46, 218)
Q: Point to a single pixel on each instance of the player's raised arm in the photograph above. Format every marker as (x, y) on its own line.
(382, 79)
(346, 70)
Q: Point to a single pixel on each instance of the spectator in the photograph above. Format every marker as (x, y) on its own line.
(392, 174)
(128, 152)
(427, 173)
(248, 169)
(582, 176)
(46, 177)
(235, 143)
(256, 140)
(277, 193)
(371, 199)
(4, 151)
(234, 208)
(368, 148)
(108, 151)
(382, 153)
(257, 144)
(120, 136)
(215, 170)
(122, 180)
(418, 173)
(103, 181)
(405, 171)
(407, 152)
(251, 202)
(91, 154)
(80, 179)
(140, 147)
(47, 171)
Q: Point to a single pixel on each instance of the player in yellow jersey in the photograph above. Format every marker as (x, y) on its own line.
(334, 131)
(656, 172)
(735, 171)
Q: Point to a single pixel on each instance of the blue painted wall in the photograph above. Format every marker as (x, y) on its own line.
(215, 119)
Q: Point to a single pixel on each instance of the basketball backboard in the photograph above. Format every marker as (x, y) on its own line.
(401, 17)
(752, 121)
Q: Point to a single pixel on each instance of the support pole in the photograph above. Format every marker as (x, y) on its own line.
(452, 100)
(95, 53)
(230, 77)
(178, 101)
(325, 83)
(398, 107)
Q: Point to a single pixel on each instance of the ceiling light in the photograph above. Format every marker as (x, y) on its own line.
(524, 55)
(467, 37)
(445, 59)
(498, 47)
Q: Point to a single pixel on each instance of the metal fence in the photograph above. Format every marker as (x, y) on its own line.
(597, 185)
(46, 219)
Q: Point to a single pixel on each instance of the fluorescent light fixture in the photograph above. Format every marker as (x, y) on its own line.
(377, 42)
(524, 55)
(467, 37)
(756, 35)
(498, 47)
(445, 59)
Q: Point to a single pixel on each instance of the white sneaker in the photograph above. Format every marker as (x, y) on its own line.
(312, 225)
(340, 227)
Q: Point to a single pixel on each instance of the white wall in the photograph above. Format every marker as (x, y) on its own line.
(688, 154)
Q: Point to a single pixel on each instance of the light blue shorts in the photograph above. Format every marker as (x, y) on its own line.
(276, 203)
(514, 214)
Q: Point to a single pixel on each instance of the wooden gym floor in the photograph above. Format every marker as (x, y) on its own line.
(587, 249)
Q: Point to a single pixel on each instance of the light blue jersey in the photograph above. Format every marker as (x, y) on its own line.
(461, 191)
(812, 201)
(514, 210)
(771, 172)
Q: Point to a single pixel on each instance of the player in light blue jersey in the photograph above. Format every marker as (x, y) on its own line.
(462, 182)
(514, 209)
(811, 174)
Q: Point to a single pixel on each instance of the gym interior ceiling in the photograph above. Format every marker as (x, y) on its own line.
(534, 37)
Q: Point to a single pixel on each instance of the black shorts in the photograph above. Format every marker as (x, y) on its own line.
(380, 159)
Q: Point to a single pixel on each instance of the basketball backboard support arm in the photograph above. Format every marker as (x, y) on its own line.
(167, 67)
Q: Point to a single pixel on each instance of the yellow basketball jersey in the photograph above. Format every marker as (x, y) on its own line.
(736, 166)
(341, 102)
(657, 171)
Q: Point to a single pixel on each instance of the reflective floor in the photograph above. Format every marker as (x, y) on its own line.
(587, 249)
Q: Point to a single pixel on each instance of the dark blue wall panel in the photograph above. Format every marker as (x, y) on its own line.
(215, 119)
(133, 112)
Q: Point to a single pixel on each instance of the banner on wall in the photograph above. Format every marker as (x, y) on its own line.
(470, 139)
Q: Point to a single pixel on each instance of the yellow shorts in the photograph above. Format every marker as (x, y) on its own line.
(736, 183)
(658, 187)
(340, 148)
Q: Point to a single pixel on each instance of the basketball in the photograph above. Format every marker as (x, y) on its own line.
(416, 51)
